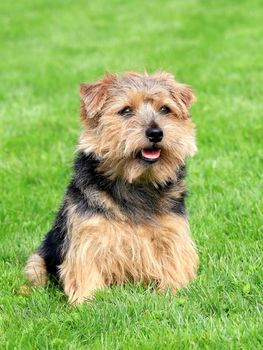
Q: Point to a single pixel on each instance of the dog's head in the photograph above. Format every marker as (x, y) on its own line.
(138, 125)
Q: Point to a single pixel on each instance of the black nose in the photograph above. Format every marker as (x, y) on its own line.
(154, 134)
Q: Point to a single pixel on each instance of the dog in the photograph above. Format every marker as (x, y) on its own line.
(123, 217)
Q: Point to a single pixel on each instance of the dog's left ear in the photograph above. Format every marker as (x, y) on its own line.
(186, 94)
(94, 95)
(184, 97)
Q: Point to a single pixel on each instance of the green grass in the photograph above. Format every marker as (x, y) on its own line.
(47, 49)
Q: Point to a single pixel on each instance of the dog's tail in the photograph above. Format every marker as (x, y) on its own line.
(36, 270)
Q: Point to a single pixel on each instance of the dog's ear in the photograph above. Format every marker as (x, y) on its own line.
(184, 97)
(186, 94)
(93, 96)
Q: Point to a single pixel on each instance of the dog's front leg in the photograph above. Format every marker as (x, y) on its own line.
(80, 281)
(81, 272)
(176, 253)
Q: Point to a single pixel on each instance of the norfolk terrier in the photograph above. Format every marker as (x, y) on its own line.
(123, 216)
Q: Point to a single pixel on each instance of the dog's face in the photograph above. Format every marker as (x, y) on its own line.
(138, 125)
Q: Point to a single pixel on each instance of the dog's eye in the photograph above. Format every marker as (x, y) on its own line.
(126, 111)
(165, 110)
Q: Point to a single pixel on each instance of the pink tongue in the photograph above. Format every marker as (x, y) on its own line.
(151, 153)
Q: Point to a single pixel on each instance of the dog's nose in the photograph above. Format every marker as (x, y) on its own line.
(154, 134)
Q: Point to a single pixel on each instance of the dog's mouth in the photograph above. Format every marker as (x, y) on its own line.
(150, 155)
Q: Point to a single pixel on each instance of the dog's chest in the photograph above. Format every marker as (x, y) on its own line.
(129, 251)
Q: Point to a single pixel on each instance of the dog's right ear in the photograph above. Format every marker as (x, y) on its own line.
(93, 96)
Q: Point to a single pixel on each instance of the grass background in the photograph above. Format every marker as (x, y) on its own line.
(48, 48)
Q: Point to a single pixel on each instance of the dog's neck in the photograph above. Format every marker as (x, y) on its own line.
(135, 200)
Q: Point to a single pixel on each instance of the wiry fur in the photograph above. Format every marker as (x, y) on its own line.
(123, 219)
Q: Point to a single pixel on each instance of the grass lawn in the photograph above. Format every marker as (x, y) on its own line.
(48, 48)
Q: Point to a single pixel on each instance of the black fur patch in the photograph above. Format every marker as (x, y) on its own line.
(137, 201)
(85, 203)
(51, 249)
(178, 205)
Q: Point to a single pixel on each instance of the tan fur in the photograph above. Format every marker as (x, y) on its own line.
(35, 270)
(104, 252)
